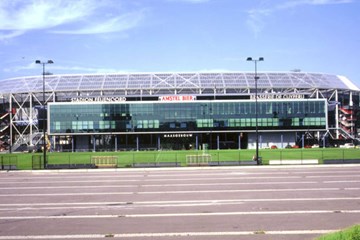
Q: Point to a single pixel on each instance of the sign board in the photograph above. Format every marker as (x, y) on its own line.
(178, 135)
(99, 99)
(278, 96)
(177, 98)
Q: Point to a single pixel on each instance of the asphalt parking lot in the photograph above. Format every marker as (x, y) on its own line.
(259, 202)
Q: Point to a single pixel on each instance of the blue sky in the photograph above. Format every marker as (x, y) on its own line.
(97, 36)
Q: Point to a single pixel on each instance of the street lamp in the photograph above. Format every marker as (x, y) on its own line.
(256, 108)
(44, 103)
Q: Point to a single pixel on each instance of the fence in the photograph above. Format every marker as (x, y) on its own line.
(37, 162)
(8, 162)
(176, 158)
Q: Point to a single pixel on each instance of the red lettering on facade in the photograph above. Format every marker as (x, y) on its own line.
(177, 98)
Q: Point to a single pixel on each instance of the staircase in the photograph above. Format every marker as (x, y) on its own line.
(25, 139)
(347, 122)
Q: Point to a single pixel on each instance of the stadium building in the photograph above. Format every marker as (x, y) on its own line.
(158, 111)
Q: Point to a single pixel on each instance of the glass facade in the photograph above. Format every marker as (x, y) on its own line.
(191, 116)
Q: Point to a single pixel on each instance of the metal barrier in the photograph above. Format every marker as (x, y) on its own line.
(8, 163)
(198, 160)
(37, 162)
(104, 161)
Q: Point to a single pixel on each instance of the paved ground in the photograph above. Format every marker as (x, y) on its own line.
(289, 203)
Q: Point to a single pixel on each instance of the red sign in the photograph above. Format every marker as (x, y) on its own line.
(177, 98)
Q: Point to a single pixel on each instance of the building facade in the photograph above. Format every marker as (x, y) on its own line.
(159, 111)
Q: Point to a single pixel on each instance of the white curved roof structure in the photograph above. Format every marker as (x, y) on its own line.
(177, 83)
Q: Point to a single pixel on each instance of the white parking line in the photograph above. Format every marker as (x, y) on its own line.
(157, 185)
(185, 203)
(191, 214)
(273, 190)
(188, 172)
(176, 185)
(190, 178)
(153, 180)
(344, 181)
(182, 201)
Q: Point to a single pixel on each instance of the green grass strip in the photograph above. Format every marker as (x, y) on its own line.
(128, 158)
(352, 233)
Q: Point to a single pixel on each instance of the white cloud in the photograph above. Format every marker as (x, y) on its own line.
(326, 2)
(10, 34)
(295, 3)
(256, 17)
(20, 16)
(116, 24)
(27, 15)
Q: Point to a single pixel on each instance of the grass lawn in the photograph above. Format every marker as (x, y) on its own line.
(352, 233)
(127, 158)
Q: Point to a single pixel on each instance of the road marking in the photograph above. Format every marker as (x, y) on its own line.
(150, 179)
(199, 172)
(182, 201)
(158, 185)
(125, 205)
(185, 203)
(345, 181)
(274, 190)
(201, 214)
(175, 185)
(170, 234)
(153, 180)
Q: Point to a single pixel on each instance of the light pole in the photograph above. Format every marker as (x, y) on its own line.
(258, 162)
(44, 103)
